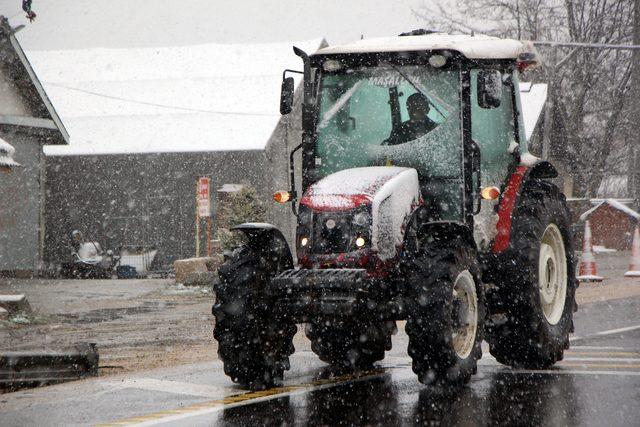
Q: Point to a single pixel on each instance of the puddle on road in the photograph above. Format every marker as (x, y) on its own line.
(109, 314)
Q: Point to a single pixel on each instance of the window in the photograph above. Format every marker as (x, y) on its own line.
(493, 130)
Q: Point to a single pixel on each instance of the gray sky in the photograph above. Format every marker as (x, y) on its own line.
(68, 24)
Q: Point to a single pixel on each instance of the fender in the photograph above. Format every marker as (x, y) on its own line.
(269, 242)
(510, 195)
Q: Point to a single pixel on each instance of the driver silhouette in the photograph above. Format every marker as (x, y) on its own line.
(419, 123)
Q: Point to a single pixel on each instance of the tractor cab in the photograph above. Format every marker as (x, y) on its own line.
(446, 106)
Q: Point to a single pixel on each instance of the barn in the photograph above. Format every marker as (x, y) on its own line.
(28, 121)
(612, 224)
(145, 123)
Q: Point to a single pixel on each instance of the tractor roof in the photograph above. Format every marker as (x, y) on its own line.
(471, 46)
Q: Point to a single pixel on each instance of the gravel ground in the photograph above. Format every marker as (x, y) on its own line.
(142, 324)
(137, 324)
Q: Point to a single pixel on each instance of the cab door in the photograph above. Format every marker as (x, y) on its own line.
(493, 130)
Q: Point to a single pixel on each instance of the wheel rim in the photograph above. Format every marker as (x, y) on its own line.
(552, 274)
(465, 314)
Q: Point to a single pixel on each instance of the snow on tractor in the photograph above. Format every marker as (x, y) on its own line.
(420, 203)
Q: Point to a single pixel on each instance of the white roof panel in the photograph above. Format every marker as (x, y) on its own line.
(533, 98)
(473, 47)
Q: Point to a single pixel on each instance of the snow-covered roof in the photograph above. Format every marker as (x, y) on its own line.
(32, 82)
(6, 154)
(474, 47)
(532, 97)
(208, 97)
(614, 204)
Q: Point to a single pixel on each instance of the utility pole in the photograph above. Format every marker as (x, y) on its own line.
(634, 161)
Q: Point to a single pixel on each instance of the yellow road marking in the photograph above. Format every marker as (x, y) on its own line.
(241, 398)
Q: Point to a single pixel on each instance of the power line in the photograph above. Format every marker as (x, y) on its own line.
(153, 104)
(587, 45)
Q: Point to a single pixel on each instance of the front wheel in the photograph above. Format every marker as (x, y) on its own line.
(253, 346)
(350, 345)
(446, 318)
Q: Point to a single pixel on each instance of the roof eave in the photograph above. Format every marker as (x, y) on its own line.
(4, 23)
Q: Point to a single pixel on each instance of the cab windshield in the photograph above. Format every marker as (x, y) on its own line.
(390, 115)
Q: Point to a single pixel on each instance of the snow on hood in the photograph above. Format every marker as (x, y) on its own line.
(349, 188)
(392, 192)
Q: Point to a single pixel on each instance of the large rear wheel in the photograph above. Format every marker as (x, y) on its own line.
(534, 295)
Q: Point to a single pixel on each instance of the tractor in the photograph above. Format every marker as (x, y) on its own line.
(418, 202)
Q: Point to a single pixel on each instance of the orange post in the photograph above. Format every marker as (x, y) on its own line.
(634, 264)
(588, 271)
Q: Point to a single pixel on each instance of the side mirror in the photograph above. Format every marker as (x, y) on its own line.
(286, 95)
(489, 88)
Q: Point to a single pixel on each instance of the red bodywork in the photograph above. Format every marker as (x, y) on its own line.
(506, 207)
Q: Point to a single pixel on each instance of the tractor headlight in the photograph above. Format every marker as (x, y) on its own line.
(303, 233)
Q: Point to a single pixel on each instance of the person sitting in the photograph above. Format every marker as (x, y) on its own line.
(419, 123)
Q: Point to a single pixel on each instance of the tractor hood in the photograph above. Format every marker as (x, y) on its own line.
(391, 192)
(351, 188)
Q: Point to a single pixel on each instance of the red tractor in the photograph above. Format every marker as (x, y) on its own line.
(420, 203)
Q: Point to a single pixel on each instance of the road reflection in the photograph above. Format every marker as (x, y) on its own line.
(501, 398)
(461, 408)
(372, 402)
(533, 399)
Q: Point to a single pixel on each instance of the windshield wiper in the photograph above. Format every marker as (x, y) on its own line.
(415, 86)
(338, 105)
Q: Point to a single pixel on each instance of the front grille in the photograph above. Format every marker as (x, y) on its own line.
(331, 233)
(329, 279)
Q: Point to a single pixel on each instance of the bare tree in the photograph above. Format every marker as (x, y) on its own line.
(590, 88)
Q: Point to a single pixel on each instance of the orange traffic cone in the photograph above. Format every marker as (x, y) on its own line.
(588, 271)
(634, 264)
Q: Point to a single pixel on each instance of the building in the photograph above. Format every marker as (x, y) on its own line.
(28, 121)
(146, 123)
(612, 224)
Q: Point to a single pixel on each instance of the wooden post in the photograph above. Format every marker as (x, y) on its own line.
(197, 222)
(209, 236)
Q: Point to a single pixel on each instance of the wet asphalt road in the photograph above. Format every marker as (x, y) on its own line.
(598, 384)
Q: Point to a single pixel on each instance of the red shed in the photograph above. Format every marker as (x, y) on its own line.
(612, 224)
